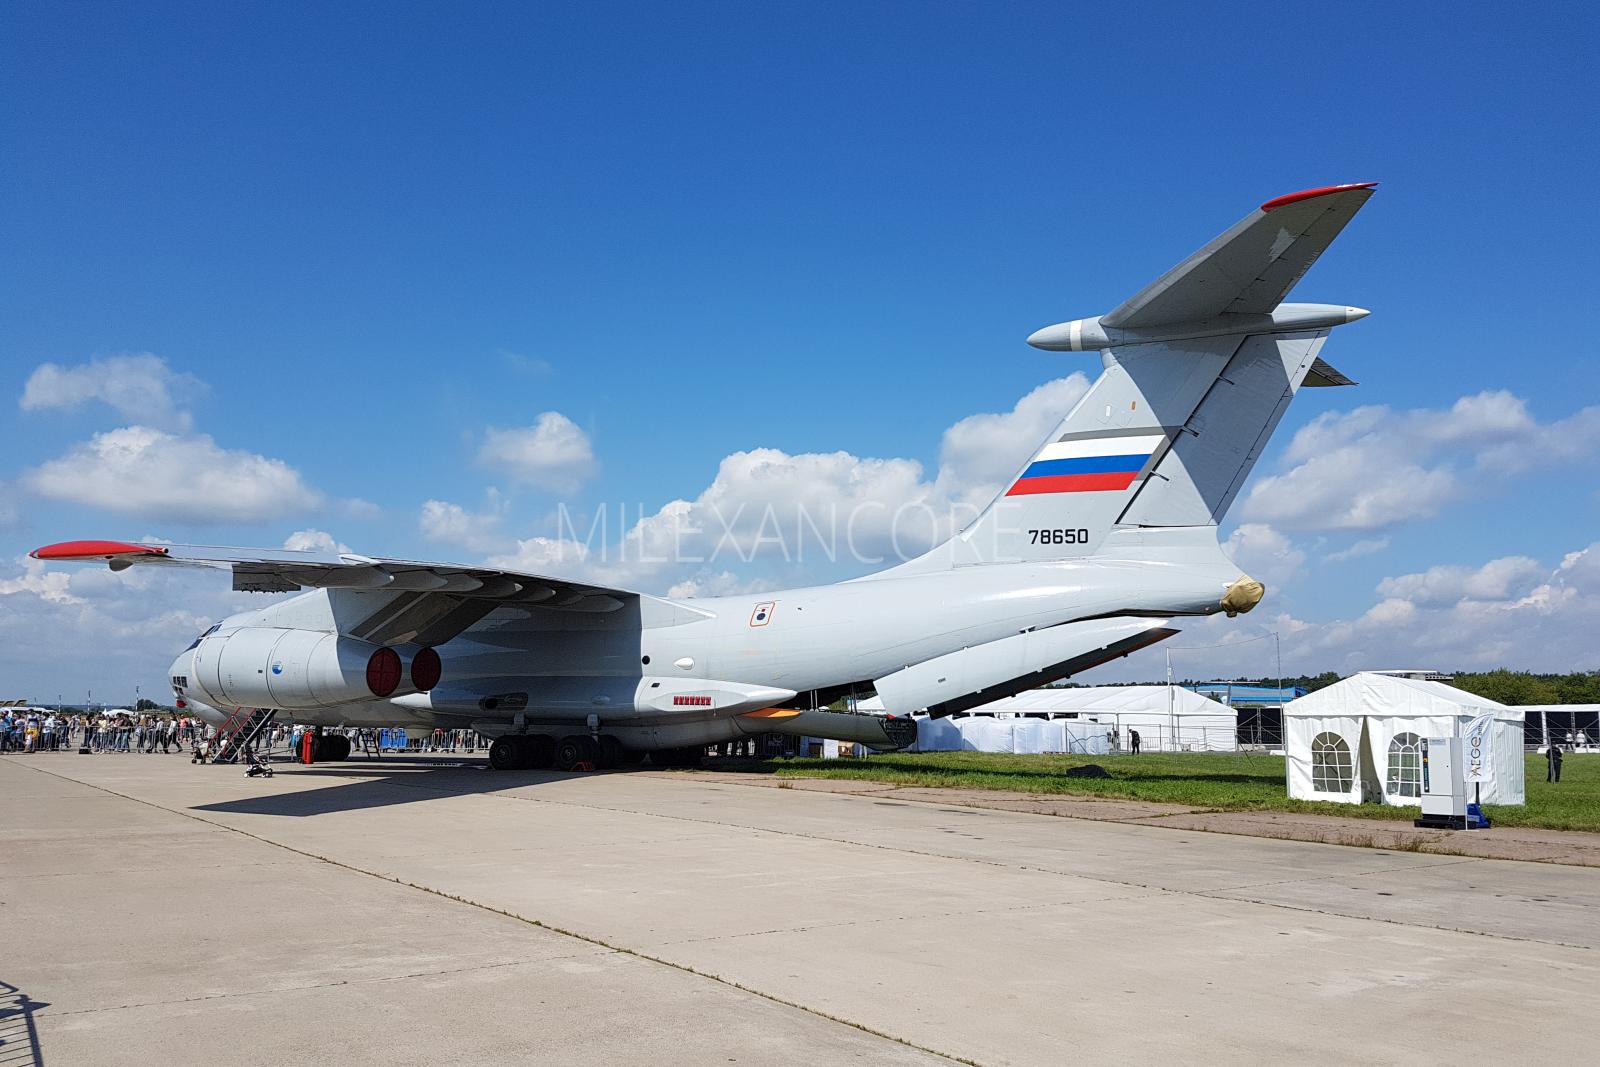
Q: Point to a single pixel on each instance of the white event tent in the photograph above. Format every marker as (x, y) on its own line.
(1361, 739)
(985, 733)
(1168, 719)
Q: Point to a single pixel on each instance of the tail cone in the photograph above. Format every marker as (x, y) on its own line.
(1242, 595)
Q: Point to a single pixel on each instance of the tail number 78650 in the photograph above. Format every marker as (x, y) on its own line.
(1058, 537)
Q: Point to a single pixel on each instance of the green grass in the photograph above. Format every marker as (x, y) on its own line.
(1205, 780)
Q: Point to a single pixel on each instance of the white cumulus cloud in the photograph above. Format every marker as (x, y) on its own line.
(554, 453)
(788, 516)
(53, 587)
(1265, 554)
(143, 471)
(1366, 546)
(1376, 467)
(1499, 579)
(1511, 612)
(83, 626)
(314, 541)
(452, 524)
(140, 386)
(982, 452)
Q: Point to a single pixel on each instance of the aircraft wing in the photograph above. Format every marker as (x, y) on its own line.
(287, 570)
(1249, 269)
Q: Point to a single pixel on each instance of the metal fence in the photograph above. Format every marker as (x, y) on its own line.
(1569, 729)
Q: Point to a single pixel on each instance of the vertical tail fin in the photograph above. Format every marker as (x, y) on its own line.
(1200, 366)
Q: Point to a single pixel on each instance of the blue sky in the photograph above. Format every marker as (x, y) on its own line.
(359, 242)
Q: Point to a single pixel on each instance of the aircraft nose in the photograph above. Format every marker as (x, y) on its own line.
(178, 673)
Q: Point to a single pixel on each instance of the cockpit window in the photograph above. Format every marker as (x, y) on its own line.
(196, 642)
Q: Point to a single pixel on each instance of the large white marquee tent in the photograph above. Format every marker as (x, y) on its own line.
(1168, 719)
(1360, 739)
(986, 733)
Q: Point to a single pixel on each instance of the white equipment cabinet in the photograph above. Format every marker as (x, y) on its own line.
(1444, 783)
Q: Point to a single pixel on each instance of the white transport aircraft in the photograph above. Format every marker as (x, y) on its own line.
(1107, 534)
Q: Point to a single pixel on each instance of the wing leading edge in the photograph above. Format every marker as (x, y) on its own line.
(287, 570)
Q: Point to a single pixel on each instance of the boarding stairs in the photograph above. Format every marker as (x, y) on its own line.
(240, 731)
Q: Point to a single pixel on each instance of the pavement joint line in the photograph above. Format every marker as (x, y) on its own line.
(1212, 894)
(1427, 846)
(617, 810)
(137, 870)
(585, 938)
(1453, 862)
(1221, 894)
(1435, 845)
(688, 778)
(966, 912)
(268, 991)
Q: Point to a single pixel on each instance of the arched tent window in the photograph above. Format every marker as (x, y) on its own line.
(1331, 770)
(1405, 766)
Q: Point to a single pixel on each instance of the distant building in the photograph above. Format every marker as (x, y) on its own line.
(1418, 676)
(1237, 694)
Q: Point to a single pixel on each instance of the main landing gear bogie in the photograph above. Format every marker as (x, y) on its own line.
(518, 752)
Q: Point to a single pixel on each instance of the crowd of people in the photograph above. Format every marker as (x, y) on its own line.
(43, 730)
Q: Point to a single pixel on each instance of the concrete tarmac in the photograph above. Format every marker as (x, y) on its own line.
(412, 911)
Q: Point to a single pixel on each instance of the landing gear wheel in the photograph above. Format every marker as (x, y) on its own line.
(507, 753)
(571, 751)
(611, 751)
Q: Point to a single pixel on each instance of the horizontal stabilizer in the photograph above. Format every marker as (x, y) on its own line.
(1321, 375)
(1250, 268)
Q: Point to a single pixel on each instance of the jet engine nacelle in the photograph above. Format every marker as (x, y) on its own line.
(274, 667)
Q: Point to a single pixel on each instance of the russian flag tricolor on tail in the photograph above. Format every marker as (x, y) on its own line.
(1089, 463)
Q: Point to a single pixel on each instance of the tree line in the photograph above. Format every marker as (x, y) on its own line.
(1504, 687)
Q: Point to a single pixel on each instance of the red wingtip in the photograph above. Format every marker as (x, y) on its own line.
(1311, 194)
(95, 550)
